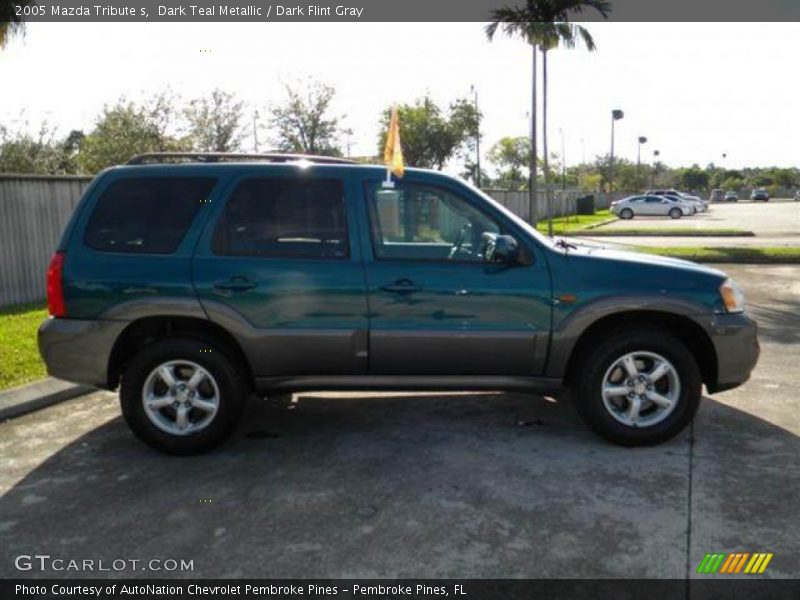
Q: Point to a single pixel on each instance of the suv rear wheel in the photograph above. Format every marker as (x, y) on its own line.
(638, 388)
(181, 396)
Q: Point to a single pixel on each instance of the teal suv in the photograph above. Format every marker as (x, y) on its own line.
(190, 282)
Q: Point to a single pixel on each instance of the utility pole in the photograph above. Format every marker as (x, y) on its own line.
(255, 131)
(532, 176)
(477, 138)
(563, 162)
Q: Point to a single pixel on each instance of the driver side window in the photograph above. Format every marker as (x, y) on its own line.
(419, 222)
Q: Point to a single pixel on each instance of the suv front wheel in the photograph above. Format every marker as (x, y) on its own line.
(638, 388)
(181, 396)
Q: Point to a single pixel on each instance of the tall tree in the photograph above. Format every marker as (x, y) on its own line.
(430, 135)
(512, 156)
(216, 122)
(41, 154)
(304, 123)
(126, 129)
(544, 24)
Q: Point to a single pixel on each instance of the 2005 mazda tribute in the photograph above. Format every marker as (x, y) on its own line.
(191, 282)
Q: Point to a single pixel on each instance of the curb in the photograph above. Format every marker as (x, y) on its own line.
(600, 224)
(37, 395)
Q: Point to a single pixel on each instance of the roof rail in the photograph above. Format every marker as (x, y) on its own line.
(213, 157)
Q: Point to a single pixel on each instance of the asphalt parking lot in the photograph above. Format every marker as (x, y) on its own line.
(424, 485)
(774, 223)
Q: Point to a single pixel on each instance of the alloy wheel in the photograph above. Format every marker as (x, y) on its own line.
(180, 397)
(641, 389)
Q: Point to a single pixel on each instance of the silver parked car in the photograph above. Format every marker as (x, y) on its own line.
(699, 204)
(651, 206)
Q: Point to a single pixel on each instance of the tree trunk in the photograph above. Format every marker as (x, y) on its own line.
(547, 191)
(532, 176)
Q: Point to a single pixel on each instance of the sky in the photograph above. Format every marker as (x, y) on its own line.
(695, 90)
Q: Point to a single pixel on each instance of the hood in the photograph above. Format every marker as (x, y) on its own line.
(616, 254)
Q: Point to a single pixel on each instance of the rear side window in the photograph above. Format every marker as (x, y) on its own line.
(284, 218)
(147, 215)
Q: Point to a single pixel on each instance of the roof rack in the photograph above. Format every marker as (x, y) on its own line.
(213, 157)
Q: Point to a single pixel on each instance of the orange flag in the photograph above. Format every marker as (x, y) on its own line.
(393, 152)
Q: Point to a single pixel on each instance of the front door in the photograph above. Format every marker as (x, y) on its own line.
(436, 307)
(277, 266)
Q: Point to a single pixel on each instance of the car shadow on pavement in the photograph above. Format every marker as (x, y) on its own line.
(404, 485)
(778, 322)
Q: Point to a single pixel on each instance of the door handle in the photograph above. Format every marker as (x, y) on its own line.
(240, 283)
(401, 286)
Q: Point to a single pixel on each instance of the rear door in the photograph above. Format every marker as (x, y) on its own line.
(654, 205)
(278, 266)
(436, 307)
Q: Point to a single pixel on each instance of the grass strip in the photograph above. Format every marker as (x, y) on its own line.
(744, 255)
(19, 355)
(667, 232)
(571, 223)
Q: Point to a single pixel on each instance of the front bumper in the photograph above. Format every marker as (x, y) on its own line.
(79, 351)
(735, 339)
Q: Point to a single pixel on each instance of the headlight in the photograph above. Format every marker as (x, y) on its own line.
(732, 296)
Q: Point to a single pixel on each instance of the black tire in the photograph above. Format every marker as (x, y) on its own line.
(591, 368)
(675, 213)
(229, 382)
(626, 213)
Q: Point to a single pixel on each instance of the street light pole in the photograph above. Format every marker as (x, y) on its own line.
(724, 156)
(642, 140)
(477, 138)
(616, 115)
(653, 170)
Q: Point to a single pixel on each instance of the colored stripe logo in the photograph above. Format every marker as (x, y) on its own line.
(734, 563)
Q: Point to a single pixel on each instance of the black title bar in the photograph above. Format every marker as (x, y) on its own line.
(729, 588)
(388, 10)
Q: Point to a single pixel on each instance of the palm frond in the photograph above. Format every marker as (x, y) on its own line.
(588, 40)
(545, 23)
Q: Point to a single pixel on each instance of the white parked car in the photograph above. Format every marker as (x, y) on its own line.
(651, 206)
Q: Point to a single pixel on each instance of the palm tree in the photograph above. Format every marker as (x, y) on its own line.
(10, 23)
(544, 24)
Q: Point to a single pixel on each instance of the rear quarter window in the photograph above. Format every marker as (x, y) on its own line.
(284, 218)
(146, 215)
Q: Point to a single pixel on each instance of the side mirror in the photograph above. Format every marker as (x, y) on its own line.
(501, 249)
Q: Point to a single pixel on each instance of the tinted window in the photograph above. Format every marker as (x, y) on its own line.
(147, 215)
(654, 199)
(426, 223)
(284, 218)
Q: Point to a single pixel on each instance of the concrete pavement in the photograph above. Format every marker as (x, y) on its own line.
(775, 223)
(424, 485)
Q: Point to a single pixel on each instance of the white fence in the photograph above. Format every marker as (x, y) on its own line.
(35, 209)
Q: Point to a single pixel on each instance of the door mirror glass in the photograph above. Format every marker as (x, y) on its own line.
(502, 249)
